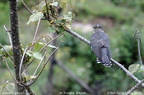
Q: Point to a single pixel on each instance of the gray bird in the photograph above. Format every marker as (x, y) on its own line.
(100, 45)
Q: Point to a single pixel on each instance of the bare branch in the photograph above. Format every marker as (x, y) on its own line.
(10, 70)
(118, 64)
(21, 63)
(77, 36)
(139, 52)
(36, 30)
(15, 42)
(37, 41)
(39, 64)
(26, 7)
(133, 88)
(50, 42)
(8, 33)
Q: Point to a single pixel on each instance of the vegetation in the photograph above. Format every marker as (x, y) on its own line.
(124, 16)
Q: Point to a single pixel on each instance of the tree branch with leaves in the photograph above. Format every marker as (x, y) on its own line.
(23, 58)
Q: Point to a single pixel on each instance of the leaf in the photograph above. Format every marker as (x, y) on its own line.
(5, 49)
(35, 17)
(29, 53)
(42, 5)
(37, 55)
(68, 17)
(38, 46)
(52, 46)
(10, 87)
(133, 68)
(54, 4)
(141, 69)
(28, 77)
(32, 77)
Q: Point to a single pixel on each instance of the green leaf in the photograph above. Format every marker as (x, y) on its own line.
(42, 5)
(141, 69)
(28, 77)
(38, 46)
(52, 46)
(10, 87)
(54, 4)
(35, 17)
(37, 55)
(7, 48)
(29, 53)
(68, 17)
(133, 68)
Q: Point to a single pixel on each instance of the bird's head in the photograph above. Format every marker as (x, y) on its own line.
(98, 28)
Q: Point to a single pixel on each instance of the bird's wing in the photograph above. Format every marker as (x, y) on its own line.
(107, 45)
(99, 41)
(96, 44)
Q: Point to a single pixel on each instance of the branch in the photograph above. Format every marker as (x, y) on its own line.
(127, 72)
(15, 42)
(115, 62)
(51, 70)
(45, 46)
(8, 33)
(139, 52)
(26, 7)
(36, 31)
(10, 70)
(43, 66)
(21, 63)
(7, 52)
(133, 88)
(82, 83)
(78, 36)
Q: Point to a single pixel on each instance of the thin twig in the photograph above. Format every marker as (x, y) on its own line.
(133, 88)
(36, 30)
(46, 46)
(10, 70)
(126, 71)
(21, 63)
(39, 64)
(8, 33)
(118, 64)
(50, 42)
(7, 52)
(29, 90)
(36, 41)
(43, 67)
(139, 52)
(26, 7)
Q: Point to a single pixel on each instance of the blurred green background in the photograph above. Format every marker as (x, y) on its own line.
(119, 19)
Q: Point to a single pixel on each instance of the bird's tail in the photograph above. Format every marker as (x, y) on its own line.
(105, 59)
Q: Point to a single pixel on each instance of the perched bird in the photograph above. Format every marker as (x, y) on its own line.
(100, 45)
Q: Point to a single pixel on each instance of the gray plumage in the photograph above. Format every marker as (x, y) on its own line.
(100, 45)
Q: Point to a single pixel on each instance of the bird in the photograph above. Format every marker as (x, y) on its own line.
(100, 45)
